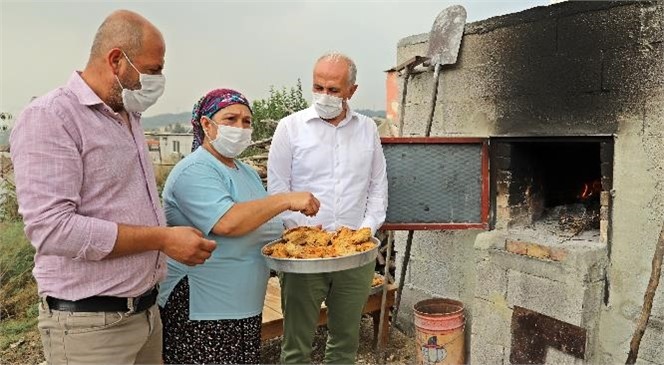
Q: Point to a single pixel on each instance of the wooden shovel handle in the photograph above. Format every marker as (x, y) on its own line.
(434, 97)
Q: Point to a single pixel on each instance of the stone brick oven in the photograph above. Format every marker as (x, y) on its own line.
(571, 99)
(546, 256)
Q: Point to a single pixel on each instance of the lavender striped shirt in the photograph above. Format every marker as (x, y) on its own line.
(79, 172)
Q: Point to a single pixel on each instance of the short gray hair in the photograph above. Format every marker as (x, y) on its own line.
(338, 56)
(122, 32)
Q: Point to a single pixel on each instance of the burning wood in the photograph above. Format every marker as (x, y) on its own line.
(590, 190)
(575, 218)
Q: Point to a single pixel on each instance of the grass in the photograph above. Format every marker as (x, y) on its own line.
(8, 202)
(18, 290)
(14, 330)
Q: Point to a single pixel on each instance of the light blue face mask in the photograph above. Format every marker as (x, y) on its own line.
(152, 87)
(230, 141)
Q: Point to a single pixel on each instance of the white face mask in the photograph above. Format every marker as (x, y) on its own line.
(152, 87)
(328, 106)
(230, 141)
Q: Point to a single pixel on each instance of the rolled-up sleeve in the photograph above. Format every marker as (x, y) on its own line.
(377, 198)
(48, 169)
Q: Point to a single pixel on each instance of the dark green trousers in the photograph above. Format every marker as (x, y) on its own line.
(344, 292)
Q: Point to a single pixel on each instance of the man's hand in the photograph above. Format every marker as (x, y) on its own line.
(187, 245)
(303, 202)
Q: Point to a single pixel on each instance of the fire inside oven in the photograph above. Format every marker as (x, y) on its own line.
(556, 181)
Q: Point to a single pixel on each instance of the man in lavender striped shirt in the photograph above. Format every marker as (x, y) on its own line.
(87, 194)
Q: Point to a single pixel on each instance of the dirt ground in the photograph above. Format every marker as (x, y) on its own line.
(400, 348)
(26, 351)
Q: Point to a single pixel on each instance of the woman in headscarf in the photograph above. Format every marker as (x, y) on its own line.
(212, 312)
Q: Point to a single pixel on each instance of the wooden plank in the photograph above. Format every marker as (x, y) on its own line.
(272, 329)
(270, 315)
(272, 299)
(412, 62)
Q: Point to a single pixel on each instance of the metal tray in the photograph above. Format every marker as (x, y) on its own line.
(377, 288)
(312, 266)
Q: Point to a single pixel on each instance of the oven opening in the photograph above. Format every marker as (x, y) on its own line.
(549, 182)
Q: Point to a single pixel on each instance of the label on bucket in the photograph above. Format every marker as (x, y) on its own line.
(432, 353)
(447, 349)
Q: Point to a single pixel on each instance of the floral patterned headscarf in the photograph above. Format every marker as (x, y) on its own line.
(208, 105)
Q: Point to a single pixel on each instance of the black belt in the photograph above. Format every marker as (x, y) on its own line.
(105, 304)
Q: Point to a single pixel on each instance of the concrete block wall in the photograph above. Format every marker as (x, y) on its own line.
(437, 268)
(571, 69)
(543, 68)
(569, 289)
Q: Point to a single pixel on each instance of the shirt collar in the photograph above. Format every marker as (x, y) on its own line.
(82, 90)
(310, 114)
(85, 95)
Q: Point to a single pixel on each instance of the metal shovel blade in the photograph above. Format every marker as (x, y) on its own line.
(445, 36)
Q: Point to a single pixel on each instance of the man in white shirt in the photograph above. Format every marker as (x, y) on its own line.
(336, 154)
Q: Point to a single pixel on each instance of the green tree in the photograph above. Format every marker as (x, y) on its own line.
(266, 112)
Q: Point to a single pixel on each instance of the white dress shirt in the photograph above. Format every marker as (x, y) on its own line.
(343, 166)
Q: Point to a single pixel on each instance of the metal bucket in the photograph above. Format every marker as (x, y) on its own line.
(439, 331)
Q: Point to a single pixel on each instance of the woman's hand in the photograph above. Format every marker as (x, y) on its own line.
(303, 202)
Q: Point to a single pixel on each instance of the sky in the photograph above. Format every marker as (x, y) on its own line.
(245, 45)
